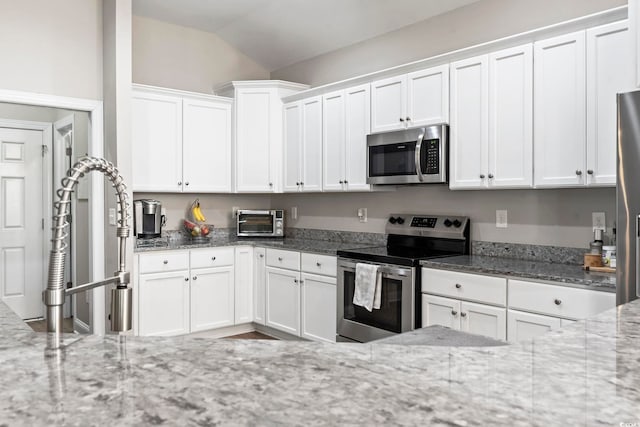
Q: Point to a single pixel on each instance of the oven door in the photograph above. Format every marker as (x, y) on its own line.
(396, 313)
(255, 223)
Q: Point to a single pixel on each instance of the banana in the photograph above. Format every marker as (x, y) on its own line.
(197, 212)
(201, 217)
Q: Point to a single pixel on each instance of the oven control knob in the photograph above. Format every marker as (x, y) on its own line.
(400, 220)
(447, 222)
(392, 220)
(456, 223)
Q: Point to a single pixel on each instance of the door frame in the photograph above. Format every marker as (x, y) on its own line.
(47, 177)
(96, 206)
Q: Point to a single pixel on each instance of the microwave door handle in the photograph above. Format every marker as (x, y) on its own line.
(418, 152)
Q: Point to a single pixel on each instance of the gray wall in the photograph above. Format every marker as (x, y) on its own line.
(476, 23)
(52, 47)
(169, 55)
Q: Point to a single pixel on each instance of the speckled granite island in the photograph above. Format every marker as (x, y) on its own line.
(584, 374)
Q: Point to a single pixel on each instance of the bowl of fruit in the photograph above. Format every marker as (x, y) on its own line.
(195, 224)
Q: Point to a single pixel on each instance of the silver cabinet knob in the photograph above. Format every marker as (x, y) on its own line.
(346, 182)
(490, 176)
(458, 285)
(318, 264)
(179, 182)
(463, 314)
(578, 172)
(557, 301)
(213, 258)
(261, 255)
(301, 281)
(271, 184)
(279, 258)
(590, 171)
(453, 312)
(195, 277)
(186, 183)
(165, 262)
(186, 279)
(301, 183)
(408, 119)
(297, 183)
(295, 280)
(401, 119)
(340, 182)
(481, 176)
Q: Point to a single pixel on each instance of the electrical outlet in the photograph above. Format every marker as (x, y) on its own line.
(598, 219)
(501, 219)
(112, 216)
(294, 212)
(362, 214)
(234, 211)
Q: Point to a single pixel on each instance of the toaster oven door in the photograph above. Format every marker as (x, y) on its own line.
(256, 223)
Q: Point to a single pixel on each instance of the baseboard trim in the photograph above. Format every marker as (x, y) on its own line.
(275, 333)
(224, 332)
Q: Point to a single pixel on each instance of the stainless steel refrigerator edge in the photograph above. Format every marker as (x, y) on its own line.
(628, 196)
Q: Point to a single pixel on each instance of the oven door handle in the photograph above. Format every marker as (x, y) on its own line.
(418, 153)
(400, 272)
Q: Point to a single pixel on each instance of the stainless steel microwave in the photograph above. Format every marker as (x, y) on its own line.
(260, 223)
(411, 156)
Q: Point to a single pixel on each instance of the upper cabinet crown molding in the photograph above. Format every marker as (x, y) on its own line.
(581, 23)
(140, 88)
(288, 88)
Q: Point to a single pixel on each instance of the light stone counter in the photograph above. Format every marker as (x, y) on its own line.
(585, 374)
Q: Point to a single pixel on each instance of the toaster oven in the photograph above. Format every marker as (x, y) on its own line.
(260, 223)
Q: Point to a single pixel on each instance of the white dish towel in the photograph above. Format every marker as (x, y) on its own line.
(368, 287)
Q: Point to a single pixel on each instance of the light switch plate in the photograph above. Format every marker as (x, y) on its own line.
(362, 214)
(501, 219)
(294, 212)
(599, 220)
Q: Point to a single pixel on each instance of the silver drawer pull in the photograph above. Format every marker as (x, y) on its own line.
(213, 258)
(458, 285)
(186, 279)
(279, 258)
(261, 255)
(165, 262)
(453, 312)
(195, 277)
(318, 264)
(463, 314)
(557, 301)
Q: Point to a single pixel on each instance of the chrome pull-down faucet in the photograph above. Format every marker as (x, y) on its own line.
(54, 295)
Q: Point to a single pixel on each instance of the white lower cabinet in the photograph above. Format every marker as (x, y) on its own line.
(318, 307)
(164, 303)
(212, 298)
(440, 311)
(259, 285)
(524, 326)
(283, 300)
(243, 285)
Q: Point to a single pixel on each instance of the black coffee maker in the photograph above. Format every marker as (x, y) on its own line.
(147, 219)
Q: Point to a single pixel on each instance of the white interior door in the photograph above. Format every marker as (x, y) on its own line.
(22, 250)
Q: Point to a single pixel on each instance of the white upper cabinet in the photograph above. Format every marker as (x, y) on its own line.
(610, 70)
(303, 145)
(157, 141)
(346, 123)
(181, 141)
(511, 118)
(559, 111)
(206, 146)
(415, 99)
(469, 134)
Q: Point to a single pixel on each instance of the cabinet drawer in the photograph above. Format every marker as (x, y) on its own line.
(319, 264)
(556, 300)
(283, 259)
(163, 261)
(217, 257)
(474, 287)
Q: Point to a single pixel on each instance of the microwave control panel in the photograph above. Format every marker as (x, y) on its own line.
(432, 149)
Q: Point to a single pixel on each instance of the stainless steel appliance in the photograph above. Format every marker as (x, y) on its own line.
(260, 223)
(628, 197)
(411, 238)
(412, 156)
(147, 218)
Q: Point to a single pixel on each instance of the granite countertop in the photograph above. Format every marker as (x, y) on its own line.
(322, 247)
(587, 373)
(570, 275)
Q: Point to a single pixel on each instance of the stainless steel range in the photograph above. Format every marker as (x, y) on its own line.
(411, 238)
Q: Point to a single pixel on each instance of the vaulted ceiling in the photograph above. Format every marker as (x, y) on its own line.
(277, 33)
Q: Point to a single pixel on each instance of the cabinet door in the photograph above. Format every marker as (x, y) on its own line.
(523, 326)
(164, 303)
(511, 118)
(311, 156)
(157, 142)
(610, 70)
(259, 285)
(388, 104)
(292, 146)
(559, 111)
(283, 300)
(333, 137)
(358, 124)
(243, 285)
(318, 307)
(254, 140)
(428, 96)
(483, 320)
(440, 311)
(206, 146)
(211, 298)
(469, 123)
